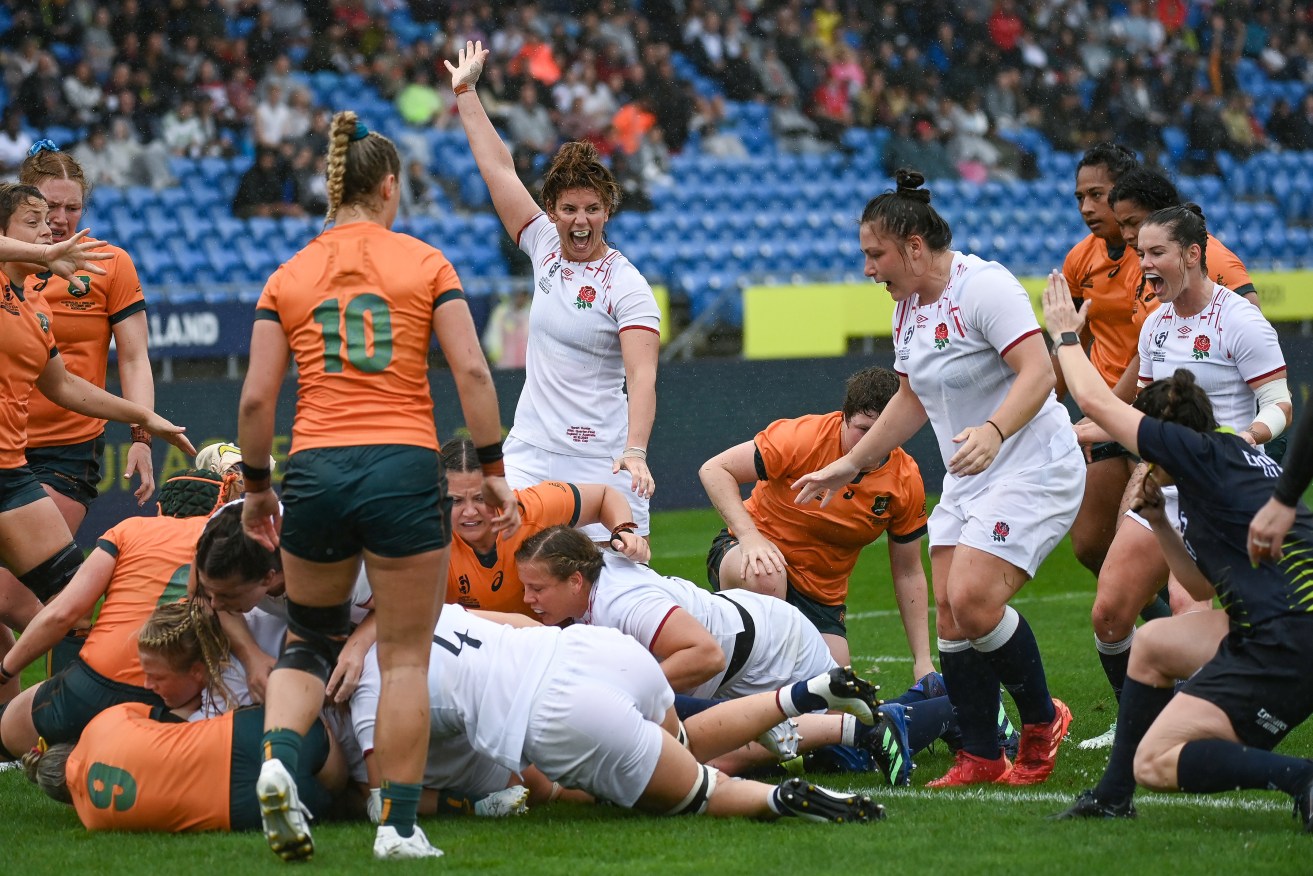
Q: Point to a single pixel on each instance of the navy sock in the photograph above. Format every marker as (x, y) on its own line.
(1206, 766)
(973, 689)
(1115, 664)
(1139, 707)
(1017, 662)
(1159, 608)
(686, 707)
(927, 721)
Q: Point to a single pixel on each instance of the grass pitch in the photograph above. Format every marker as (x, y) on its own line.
(993, 830)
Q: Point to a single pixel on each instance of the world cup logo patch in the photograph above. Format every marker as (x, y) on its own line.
(1001, 531)
(1201, 346)
(941, 336)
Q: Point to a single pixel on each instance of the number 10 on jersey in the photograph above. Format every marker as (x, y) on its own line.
(350, 333)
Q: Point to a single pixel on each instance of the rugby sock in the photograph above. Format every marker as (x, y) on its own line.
(284, 745)
(1115, 657)
(686, 707)
(1158, 609)
(452, 804)
(1139, 707)
(927, 721)
(1013, 652)
(798, 699)
(400, 806)
(973, 689)
(1206, 766)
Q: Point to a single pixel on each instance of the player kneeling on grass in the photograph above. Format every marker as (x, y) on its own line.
(1216, 732)
(592, 710)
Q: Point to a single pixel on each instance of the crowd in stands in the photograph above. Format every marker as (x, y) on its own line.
(967, 89)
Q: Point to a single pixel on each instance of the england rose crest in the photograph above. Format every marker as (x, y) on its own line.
(1001, 531)
(587, 295)
(941, 336)
(1201, 345)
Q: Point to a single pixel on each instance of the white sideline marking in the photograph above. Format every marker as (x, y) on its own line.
(980, 795)
(1020, 600)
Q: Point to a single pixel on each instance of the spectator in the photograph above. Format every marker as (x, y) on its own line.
(1288, 129)
(506, 337)
(98, 48)
(299, 114)
(774, 75)
(266, 189)
(99, 165)
(631, 123)
(183, 132)
(1244, 133)
(916, 145)
(135, 163)
(42, 95)
(419, 191)
(272, 117)
(529, 124)
(14, 143)
(419, 103)
(792, 129)
(310, 178)
(711, 123)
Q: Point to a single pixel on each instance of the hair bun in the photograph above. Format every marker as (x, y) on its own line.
(1195, 209)
(909, 185)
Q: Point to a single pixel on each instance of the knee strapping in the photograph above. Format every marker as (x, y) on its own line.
(681, 734)
(699, 797)
(48, 578)
(320, 634)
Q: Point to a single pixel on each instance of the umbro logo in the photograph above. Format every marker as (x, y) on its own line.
(1183, 331)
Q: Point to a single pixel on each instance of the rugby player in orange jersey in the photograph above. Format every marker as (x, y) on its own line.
(357, 307)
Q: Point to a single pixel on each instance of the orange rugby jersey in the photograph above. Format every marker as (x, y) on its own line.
(82, 321)
(153, 558)
(821, 545)
(491, 582)
(131, 772)
(357, 307)
(26, 346)
(1224, 268)
(1109, 285)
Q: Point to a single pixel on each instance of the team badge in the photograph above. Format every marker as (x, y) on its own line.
(881, 505)
(587, 295)
(941, 336)
(1001, 531)
(45, 322)
(1201, 346)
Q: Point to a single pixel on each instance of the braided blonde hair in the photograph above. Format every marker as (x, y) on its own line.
(186, 633)
(356, 166)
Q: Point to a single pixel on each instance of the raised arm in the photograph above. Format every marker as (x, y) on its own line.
(1118, 419)
(512, 201)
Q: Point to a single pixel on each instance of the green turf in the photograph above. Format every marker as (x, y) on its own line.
(995, 831)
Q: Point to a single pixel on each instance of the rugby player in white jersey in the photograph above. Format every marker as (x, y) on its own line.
(589, 398)
(1236, 359)
(971, 360)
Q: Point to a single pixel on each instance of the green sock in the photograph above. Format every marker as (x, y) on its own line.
(283, 745)
(400, 806)
(450, 803)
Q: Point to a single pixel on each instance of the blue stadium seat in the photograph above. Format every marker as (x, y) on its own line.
(139, 197)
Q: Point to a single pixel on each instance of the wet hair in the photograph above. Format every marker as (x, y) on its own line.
(578, 165)
(564, 550)
(460, 456)
(186, 633)
(906, 211)
(45, 164)
(12, 197)
(1147, 188)
(1185, 225)
(1113, 157)
(356, 165)
(1178, 399)
(868, 391)
(47, 768)
(225, 550)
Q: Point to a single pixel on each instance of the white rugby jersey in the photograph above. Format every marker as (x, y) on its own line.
(951, 351)
(573, 401)
(1227, 346)
(451, 762)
